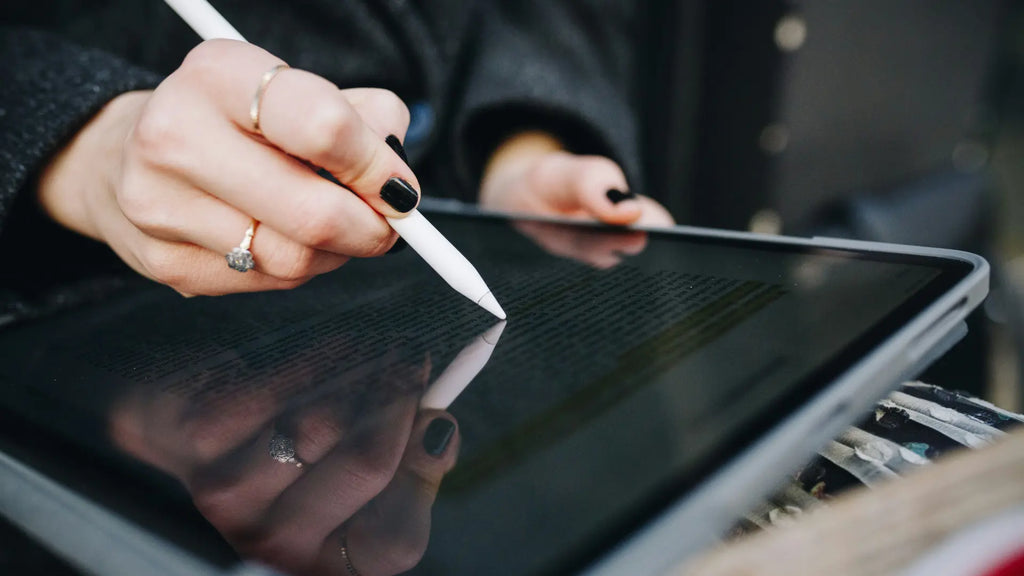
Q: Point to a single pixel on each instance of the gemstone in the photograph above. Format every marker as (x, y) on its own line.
(282, 448)
(240, 259)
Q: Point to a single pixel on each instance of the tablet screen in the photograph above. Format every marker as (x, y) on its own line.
(632, 365)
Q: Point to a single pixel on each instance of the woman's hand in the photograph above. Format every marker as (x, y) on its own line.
(171, 179)
(531, 173)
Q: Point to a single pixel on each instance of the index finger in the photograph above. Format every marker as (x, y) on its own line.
(308, 117)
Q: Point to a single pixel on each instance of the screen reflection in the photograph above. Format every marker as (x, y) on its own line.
(336, 480)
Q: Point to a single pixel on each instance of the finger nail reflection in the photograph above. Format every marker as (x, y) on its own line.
(438, 435)
(616, 195)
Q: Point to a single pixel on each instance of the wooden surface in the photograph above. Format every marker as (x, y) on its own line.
(883, 530)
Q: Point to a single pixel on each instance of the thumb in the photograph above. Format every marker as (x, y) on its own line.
(593, 186)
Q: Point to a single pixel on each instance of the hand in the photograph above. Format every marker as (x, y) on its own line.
(371, 465)
(171, 179)
(531, 173)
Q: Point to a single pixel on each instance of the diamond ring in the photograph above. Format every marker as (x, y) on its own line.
(240, 258)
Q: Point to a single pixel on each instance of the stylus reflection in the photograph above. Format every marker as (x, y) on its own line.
(462, 369)
(317, 450)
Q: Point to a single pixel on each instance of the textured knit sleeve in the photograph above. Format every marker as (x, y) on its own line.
(49, 88)
(563, 66)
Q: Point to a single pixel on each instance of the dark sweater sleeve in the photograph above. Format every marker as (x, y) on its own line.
(562, 66)
(49, 89)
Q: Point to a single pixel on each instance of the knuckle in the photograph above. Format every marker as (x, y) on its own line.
(158, 140)
(293, 262)
(302, 265)
(163, 265)
(550, 166)
(142, 214)
(218, 501)
(366, 171)
(601, 170)
(329, 125)
(391, 106)
(540, 175)
(367, 477)
(215, 503)
(206, 441)
(318, 435)
(319, 230)
(134, 203)
(381, 107)
(206, 60)
(141, 207)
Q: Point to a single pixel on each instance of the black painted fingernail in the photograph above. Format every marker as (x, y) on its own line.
(438, 435)
(616, 195)
(400, 195)
(396, 145)
(326, 175)
(398, 246)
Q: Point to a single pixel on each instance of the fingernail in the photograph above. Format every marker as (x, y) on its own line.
(398, 246)
(438, 435)
(616, 195)
(326, 175)
(400, 195)
(396, 145)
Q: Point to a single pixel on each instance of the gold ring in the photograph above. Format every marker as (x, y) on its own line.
(344, 555)
(240, 258)
(257, 98)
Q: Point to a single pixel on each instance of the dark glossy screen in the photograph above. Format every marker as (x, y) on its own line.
(631, 366)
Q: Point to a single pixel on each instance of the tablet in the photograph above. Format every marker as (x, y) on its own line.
(646, 390)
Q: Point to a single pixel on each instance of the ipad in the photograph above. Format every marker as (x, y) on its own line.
(647, 388)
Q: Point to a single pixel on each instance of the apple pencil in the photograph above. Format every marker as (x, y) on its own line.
(419, 233)
(462, 370)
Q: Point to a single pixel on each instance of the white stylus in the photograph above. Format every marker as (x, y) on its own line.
(420, 234)
(462, 370)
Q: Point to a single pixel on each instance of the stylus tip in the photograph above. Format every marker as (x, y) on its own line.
(490, 303)
(494, 332)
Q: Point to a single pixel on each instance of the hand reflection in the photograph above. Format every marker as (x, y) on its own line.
(390, 535)
(600, 248)
(369, 473)
(373, 492)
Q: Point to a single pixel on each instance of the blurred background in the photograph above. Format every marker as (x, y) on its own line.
(870, 119)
